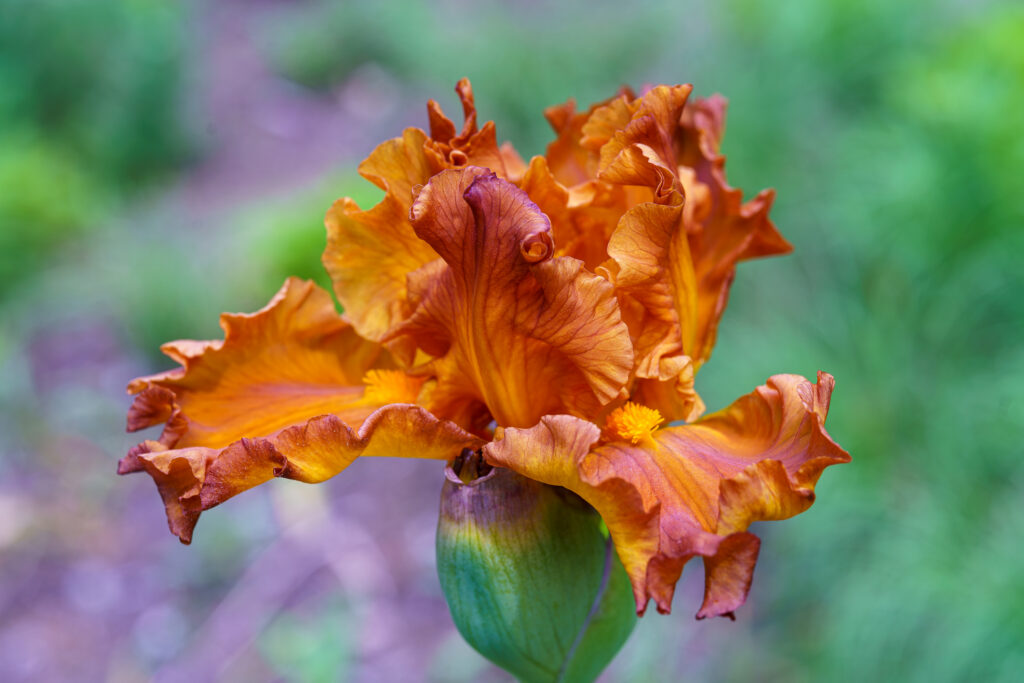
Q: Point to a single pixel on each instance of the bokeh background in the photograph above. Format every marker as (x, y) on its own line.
(162, 162)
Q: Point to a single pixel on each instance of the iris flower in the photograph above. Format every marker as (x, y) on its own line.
(549, 315)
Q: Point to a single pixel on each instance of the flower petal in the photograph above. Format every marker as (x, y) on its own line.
(669, 147)
(476, 147)
(294, 359)
(582, 217)
(514, 329)
(572, 155)
(291, 391)
(690, 490)
(728, 231)
(370, 254)
(675, 396)
(194, 479)
(398, 165)
(654, 278)
(642, 150)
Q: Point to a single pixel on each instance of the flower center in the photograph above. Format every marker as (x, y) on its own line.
(632, 422)
(391, 386)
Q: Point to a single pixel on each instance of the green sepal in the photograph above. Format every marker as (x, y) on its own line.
(531, 578)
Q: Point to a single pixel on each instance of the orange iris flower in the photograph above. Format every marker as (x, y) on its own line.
(551, 315)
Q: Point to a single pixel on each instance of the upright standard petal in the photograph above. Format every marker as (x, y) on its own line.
(287, 393)
(511, 327)
(571, 154)
(582, 217)
(400, 164)
(685, 491)
(472, 146)
(727, 230)
(664, 148)
(369, 256)
(653, 273)
(370, 253)
(582, 209)
(641, 150)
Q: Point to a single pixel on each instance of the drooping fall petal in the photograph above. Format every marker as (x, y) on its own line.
(193, 479)
(282, 395)
(692, 490)
(294, 359)
(511, 327)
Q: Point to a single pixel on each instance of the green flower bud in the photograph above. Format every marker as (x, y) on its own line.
(530, 575)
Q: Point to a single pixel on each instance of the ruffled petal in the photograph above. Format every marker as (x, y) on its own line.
(398, 165)
(583, 210)
(691, 490)
(191, 480)
(512, 328)
(370, 254)
(472, 146)
(291, 391)
(572, 155)
(661, 147)
(672, 392)
(654, 278)
(582, 217)
(728, 230)
(641, 151)
(292, 360)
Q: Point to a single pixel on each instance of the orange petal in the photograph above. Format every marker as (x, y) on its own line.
(194, 479)
(583, 210)
(369, 256)
(515, 167)
(582, 218)
(670, 148)
(692, 490)
(572, 155)
(514, 329)
(642, 152)
(654, 268)
(294, 359)
(473, 147)
(672, 391)
(398, 165)
(570, 162)
(370, 253)
(729, 231)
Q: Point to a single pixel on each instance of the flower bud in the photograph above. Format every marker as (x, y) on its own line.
(531, 578)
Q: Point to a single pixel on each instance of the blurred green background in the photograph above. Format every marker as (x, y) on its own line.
(163, 162)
